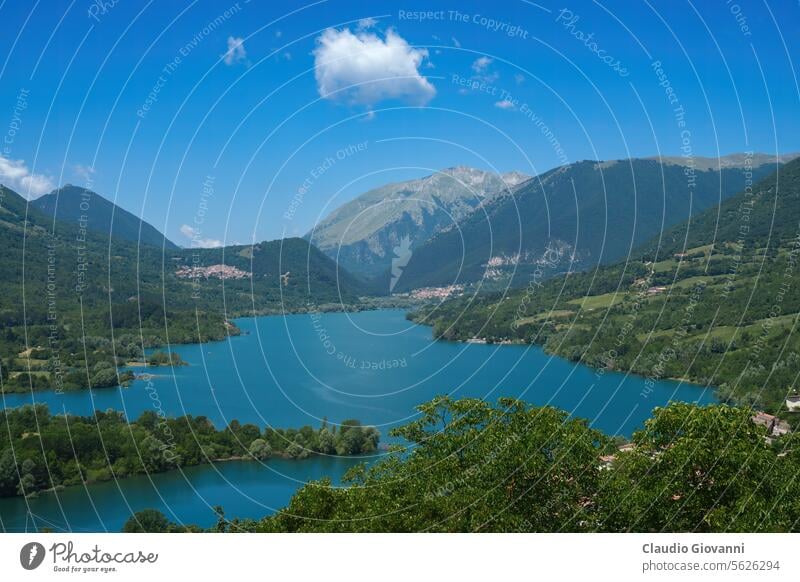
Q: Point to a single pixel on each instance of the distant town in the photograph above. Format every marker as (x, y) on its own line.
(212, 271)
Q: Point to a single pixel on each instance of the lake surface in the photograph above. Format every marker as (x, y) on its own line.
(289, 371)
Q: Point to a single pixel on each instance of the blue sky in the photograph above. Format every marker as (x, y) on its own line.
(233, 122)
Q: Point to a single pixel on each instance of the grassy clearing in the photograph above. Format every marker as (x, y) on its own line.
(598, 301)
(544, 316)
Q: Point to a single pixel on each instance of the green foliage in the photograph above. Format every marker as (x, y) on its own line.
(147, 521)
(470, 466)
(41, 451)
(703, 470)
(162, 358)
(260, 449)
(475, 467)
(90, 297)
(726, 318)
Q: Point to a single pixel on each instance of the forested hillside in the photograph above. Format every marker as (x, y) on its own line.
(74, 450)
(76, 303)
(74, 204)
(576, 217)
(712, 301)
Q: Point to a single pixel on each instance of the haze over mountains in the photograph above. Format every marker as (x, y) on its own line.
(362, 234)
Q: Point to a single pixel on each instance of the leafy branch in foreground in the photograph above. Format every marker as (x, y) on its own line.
(472, 466)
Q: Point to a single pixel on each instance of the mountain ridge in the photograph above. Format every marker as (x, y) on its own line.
(75, 203)
(707, 302)
(362, 233)
(593, 212)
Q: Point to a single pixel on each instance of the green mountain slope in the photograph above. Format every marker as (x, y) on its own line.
(75, 204)
(74, 305)
(713, 301)
(587, 214)
(279, 275)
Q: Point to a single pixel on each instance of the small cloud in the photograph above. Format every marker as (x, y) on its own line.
(455, 42)
(504, 104)
(235, 53)
(278, 33)
(16, 175)
(364, 69)
(481, 69)
(481, 64)
(85, 173)
(193, 234)
(287, 56)
(366, 23)
(519, 78)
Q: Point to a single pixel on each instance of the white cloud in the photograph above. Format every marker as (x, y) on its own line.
(504, 104)
(455, 42)
(363, 69)
(193, 234)
(481, 69)
(85, 173)
(519, 78)
(16, 175)
(366, 23)
(235, 53)
(481, 64)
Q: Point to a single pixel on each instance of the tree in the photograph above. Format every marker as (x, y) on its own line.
(471, 466)
(704, 469)
(260, 449)
(105, 377)
(147, 521)
(8, 474)
(327, 442)
(156, 454)
(297, 450)
(27, 480)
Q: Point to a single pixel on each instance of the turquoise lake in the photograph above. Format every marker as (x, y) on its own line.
(289, 371)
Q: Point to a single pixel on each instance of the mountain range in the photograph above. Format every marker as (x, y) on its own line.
(575, 217)
(114, 284)
(362, 234)
(711, 301)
